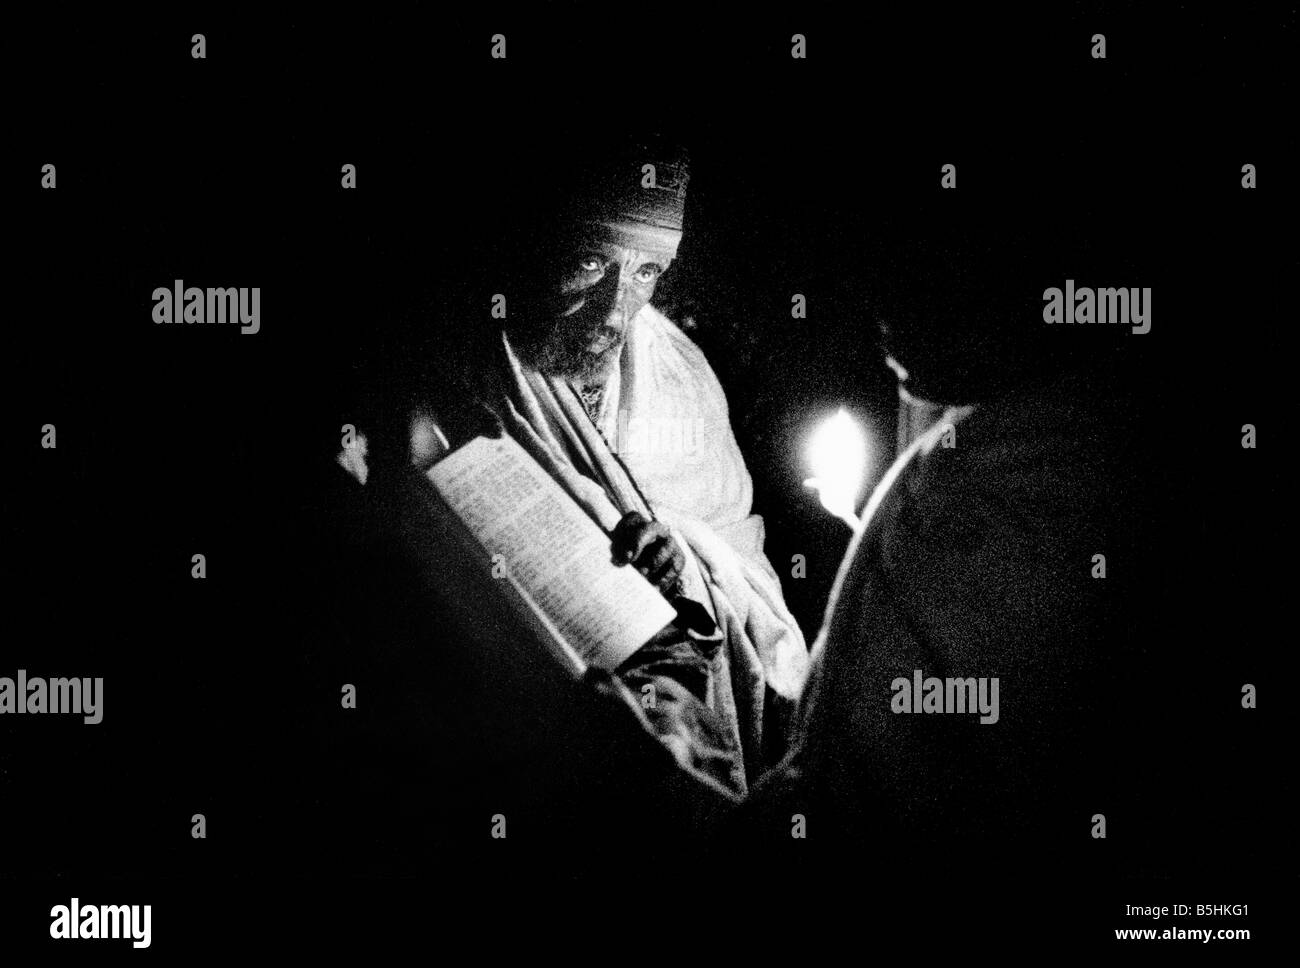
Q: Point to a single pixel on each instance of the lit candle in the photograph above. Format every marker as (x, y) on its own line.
(837, 455)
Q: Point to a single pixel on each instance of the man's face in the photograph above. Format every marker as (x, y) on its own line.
(596, 289)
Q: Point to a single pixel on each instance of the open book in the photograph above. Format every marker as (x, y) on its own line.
(548, 556)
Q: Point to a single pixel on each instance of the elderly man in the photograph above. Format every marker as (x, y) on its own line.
(623, 411)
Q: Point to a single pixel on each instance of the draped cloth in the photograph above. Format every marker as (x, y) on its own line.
(975, 560)
(698, 487)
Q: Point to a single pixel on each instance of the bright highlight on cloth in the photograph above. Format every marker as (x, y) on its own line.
(837, 456)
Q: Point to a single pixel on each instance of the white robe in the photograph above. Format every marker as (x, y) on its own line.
(666, 416)
(693, 478)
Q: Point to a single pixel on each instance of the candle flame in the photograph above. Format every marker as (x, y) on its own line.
(837, 456)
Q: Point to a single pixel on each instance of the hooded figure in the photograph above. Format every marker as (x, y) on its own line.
(964, 680)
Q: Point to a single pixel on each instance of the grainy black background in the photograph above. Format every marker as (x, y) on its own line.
(177, 440)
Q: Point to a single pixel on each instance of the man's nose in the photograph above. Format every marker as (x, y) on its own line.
(614, 299)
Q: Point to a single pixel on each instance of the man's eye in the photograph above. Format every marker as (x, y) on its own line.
(591, 263)
(648, 273)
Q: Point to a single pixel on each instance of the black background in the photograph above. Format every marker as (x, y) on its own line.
(177, 440)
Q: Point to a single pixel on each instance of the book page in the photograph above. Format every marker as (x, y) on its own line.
(554, 552)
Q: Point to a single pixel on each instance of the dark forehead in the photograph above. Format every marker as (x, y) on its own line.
(614, 252)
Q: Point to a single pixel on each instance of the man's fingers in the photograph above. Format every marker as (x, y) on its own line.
(650, 547)
(652, 533)
(633, 535)
(625, 534)
(666, 579)
(661, 557)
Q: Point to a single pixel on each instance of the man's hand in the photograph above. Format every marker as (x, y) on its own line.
(651, 550)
